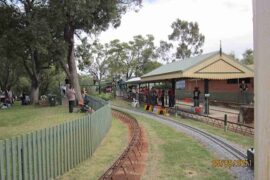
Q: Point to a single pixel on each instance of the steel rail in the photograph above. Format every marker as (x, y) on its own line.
(134, 146)
(224, 145)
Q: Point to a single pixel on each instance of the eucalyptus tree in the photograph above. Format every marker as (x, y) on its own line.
(9, 67)
(164, 51)
(94, 58)
(143, 50)
(188, 37)
(248, 57)
(88, 16)
(32, 39)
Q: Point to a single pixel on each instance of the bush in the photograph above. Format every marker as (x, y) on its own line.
(105, 96)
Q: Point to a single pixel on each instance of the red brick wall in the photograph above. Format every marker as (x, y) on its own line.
(217, 86)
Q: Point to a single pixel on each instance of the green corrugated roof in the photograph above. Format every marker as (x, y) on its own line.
(180, 65)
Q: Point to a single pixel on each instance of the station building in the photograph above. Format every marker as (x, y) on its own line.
(215, 73)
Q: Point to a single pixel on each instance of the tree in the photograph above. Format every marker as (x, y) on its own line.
(98, 53)
(164, 51)
(9, 43)
(248, 57)
(130, 58)
(89, 16)
(143, 50)
(232, 54)
(116, 58)
(32, 38)
(189, 39)
(151, 65)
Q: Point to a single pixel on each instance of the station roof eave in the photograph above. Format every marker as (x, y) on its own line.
(207, 66)
(135, 80)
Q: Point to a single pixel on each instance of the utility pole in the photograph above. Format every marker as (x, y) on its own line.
(261, 27)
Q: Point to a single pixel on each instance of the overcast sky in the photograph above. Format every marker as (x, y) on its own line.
(227, 20)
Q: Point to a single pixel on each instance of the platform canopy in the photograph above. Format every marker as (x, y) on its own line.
(134, 80)
(214, 65)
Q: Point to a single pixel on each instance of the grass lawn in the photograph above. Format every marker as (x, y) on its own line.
(245, 141)
(173, 155)
(109, 150)
(22, 119)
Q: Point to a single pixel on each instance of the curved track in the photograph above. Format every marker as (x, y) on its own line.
(233, 151)
(223, 148)
(125, 166)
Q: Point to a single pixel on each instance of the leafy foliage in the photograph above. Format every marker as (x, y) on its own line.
(189, 39)
(164, 51)
(248, 57)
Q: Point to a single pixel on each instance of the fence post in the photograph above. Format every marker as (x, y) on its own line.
(2, 170)
(52, 151)
(225, 122)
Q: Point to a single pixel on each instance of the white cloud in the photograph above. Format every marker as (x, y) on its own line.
(226, 20)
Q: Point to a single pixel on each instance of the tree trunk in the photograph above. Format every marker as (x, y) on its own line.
(99, 88)
(73, 75)
(34, 92)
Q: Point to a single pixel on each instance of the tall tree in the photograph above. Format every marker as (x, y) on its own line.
(9, 44)
(116, 58)
(151, 65)
(164, 51)
(130, 58)
(248, 57)
(33, 41)
(89, 16)
(232, 54)
(143, 50)
(188, 37)
(98, 53)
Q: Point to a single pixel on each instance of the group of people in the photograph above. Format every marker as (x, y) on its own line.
(7, 98)
(243, 90)
(155, 96)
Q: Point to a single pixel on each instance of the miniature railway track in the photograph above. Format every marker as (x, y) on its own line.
(222, 144)
(217, 122)
(126, 163)
(230, 149)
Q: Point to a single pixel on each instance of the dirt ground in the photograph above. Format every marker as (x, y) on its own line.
(134, 165)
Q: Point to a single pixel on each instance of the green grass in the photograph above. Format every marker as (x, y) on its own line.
(22, 119)
(108, 151)
(173, 155)
(244, 141)
(120, 102)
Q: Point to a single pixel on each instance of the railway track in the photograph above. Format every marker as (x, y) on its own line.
(233, 151)
(125, 166)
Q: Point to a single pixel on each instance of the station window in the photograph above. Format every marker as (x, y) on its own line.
(235, 81)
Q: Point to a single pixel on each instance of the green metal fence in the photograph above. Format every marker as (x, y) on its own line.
(50, 152)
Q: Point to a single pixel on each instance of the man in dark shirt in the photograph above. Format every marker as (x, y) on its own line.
(196, 96)
(243, 89)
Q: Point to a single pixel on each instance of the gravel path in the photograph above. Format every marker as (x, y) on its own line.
(242, 173)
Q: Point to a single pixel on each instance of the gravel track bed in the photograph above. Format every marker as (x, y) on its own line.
(242, 173)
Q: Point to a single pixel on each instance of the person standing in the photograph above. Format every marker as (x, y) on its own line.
(196, 97)
(71, 98)
(162, 97)
(243, 89)
(170, 93)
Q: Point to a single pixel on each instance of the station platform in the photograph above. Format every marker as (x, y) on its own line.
(219, 112)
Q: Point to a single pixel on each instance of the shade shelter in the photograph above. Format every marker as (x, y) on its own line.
(214, 65)
(213, 72)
